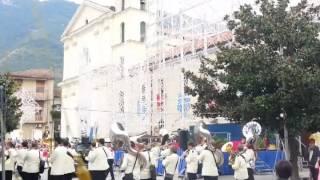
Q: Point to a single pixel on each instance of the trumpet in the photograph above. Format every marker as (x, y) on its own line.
(232, 158)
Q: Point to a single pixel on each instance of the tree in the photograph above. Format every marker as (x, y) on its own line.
(271, 67)
(11, 108)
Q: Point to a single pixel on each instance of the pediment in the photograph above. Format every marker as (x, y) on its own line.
(86, 12)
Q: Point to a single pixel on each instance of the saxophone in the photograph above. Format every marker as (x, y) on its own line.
(81, 169)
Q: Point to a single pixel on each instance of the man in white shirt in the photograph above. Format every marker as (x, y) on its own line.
(240, 165)
(98, 162)
(21, 153)
(192, 162)
(171, 163)
(62, 163)
(209, 169)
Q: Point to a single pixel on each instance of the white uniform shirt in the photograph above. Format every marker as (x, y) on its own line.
(21, 153)
(128, 163)
(97, 159)
(31, 161)
(240, 168)
(209, 167)
(145, 173)
(171, 163)
(109, 152)
(9, 162)
(192, 161)
(250, 158)
(61, 162)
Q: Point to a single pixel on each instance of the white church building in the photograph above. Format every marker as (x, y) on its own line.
(123, 62)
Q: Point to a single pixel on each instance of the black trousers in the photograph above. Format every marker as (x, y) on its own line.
(210, 177)
(31, 176)
(98, 175)
(8, 175)
(314, 173)
(110, 162)
(192, 176)
(61, 177)
(250, 174)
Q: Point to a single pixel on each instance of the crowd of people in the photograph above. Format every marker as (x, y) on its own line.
(24, 159)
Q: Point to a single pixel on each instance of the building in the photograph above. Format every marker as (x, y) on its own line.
(36, 94)
(115, 72)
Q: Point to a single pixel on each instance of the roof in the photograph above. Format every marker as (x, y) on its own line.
(103, 9)
(41, 74)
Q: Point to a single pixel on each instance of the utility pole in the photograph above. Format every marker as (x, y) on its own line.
(3, 129)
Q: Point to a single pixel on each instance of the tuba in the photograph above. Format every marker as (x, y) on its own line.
(120, 138)
(201, 132)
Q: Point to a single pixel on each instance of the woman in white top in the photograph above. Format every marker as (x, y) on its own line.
(240, 165)
(192, 162)
(98, 162)
(145, 173)
(250, 156)
(31, 163)
(171, 163)
(209, 167)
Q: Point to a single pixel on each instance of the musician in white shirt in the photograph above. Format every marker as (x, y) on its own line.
(98, 162)
(10, 158)
(209, 167)
(151, 161)
(131, 167)
(171, 163)
(192, 162)
(250, 155)
(62, 163)
(240, 165)
(31, 163)
(21, 153)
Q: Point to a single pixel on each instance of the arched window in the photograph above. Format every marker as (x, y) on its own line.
(123, 4)
(122, 32)
(142, 4)
(142, 31)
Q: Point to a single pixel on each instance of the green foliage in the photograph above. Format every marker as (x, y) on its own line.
(31, 34)
(272, 66)
(12, 106)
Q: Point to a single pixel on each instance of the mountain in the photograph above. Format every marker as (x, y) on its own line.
(30, 34)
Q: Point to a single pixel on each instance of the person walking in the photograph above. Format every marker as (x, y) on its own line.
(21, 153)
(130, 166)
(240, 166)
(170, 164)
(192, 162)
(209, 169)
(313, 159)
(62, 163)
(110, 153)
(31, 163)
(250, 157)
(145, 173)
(98, 161)
(11, 155)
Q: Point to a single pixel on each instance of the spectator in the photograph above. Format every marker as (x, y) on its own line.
(283, 170)
(313, 158)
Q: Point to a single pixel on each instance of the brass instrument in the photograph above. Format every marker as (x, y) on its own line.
(120, 138)
(81, 170)
(232, 158)
(202, 132)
